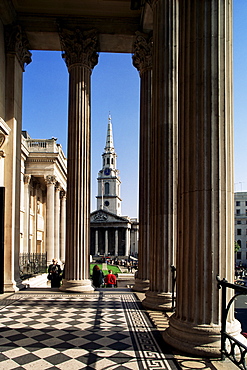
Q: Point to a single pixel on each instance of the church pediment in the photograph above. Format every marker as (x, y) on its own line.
(104, 216)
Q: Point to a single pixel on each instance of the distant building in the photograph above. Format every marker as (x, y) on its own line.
(240, 199)
(111, 233)
(43, 198)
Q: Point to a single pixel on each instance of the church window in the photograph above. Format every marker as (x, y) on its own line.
(108, 161)
(103, 161)
(107, 188)
(112, 161)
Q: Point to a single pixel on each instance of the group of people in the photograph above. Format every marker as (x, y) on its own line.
(100, 280)
(55, 275)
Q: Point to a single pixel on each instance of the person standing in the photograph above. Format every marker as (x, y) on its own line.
(110, 280)
(98, 277)
(54, 274)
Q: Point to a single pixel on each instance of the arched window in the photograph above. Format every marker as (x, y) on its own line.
(112, 161)
(107, 188)
(108, 160)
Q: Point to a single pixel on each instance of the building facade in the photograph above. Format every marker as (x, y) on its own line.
(43, 199)
(240, 199)
(111, 234)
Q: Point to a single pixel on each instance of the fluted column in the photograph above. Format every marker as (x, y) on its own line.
(62, 225)
(50, 195)
(163, 195)
(205, 193)
(96, 242)
(57, 222)
(106, 242)
(142, 60)
(80, 56)
(116, 242)
(127, 242)
(26, 246)
(17, 55)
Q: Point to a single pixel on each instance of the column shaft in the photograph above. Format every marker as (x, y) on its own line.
(62, 225)
(50, 183)
(116, 242)
(205, 193)
(163, 195)
(142, 60)
(96, 242)
(57, 223)
(106, 242)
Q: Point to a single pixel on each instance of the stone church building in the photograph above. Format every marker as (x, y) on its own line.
(110, 233)
(183, 52)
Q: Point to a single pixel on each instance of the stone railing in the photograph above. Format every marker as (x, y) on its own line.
(46, 145)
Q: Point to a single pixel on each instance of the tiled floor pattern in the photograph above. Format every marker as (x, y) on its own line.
(102, 330)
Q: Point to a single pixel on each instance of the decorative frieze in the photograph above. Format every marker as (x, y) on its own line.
(143, 47)
(79, 47)
(17, 43)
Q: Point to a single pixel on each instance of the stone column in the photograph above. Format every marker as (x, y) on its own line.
(116, 242)
(205, 193)
(142, 60)
(50, 183)
(26, 246)
(57, 222)
(96, 242)
(106, 242)
(127, 242)
(17, 55)
(163, 148)
(62, 225)
(80, 56)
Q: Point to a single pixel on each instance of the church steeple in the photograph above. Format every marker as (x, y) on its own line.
(109, 146)
(108, 197)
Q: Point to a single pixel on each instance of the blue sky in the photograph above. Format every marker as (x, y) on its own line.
(115, 89)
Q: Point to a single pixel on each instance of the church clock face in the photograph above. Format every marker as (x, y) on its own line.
(107, 171)
(107, 203)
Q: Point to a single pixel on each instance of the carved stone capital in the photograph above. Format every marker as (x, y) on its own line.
(62, 194)
(143, 47)
(17, 43)
(79, 47)
(27, 179)
(50, 180)
(2, 138)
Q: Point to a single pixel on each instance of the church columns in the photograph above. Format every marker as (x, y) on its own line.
(16, 57)
(62, 225)
(26, 246)
(50, 224)
(116, 242)
(57, 222)
(205, 193)
(163, 149)
(142, 60)
(127, 241)
(96, 242)
(106, 242)
(80, 57)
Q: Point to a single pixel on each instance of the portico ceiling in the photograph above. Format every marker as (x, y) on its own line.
(114, 20)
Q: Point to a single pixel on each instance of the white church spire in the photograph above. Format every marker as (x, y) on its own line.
(108, 197)
(109, 146)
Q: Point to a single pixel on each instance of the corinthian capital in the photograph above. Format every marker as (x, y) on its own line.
(50, 180)
(79, 47)
(142, 57)
(17, 43)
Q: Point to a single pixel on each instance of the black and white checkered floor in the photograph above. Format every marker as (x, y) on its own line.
(101, 330)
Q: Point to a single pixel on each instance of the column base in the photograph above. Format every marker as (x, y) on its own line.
(201, 340)
(157, 301)
(141, 285)
(79, 286)
(12, 287)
